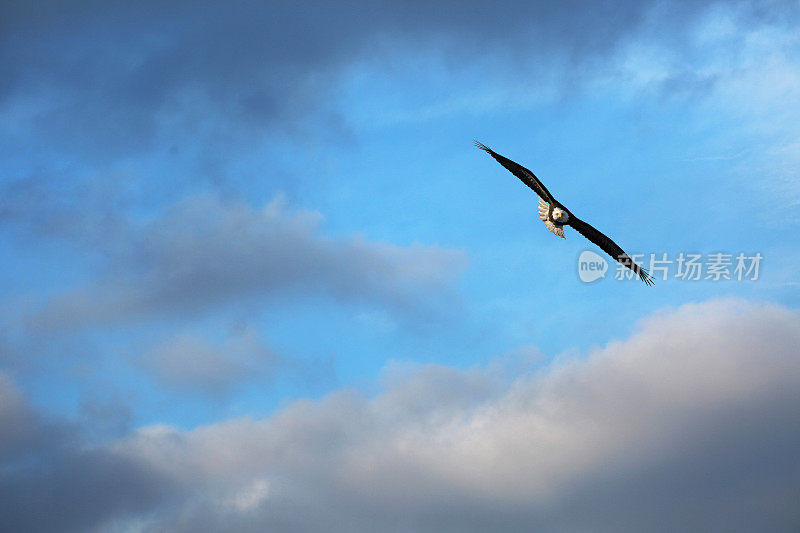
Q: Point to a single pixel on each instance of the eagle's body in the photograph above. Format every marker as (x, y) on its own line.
(555, 216)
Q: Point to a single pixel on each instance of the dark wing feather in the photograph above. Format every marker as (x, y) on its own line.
(527, 177)
(608, 246)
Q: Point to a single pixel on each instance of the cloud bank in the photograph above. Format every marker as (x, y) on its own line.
(267, 67)
(691, 424)
(260, 65)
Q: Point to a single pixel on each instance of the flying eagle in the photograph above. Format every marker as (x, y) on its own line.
(555, 216)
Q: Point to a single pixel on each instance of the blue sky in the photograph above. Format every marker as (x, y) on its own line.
(213, 213)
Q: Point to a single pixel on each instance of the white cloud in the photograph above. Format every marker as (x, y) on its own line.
(696, 413)
(251, 496)
(699, 406)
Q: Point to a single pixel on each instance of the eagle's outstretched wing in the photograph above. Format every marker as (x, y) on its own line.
(608, 246)
(527, 177)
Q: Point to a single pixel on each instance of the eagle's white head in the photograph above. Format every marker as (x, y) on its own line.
(560, 216)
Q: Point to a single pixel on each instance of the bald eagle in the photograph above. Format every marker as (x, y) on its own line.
(555, 216)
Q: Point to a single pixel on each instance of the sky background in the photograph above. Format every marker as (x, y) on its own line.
(256, 275)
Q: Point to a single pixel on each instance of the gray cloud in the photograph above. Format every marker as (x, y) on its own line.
(17, 432)
(205, 253)
(165, 70)
(52, 479)
(196, 364)
(77, 490)
(691, 425)
(90, 212)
